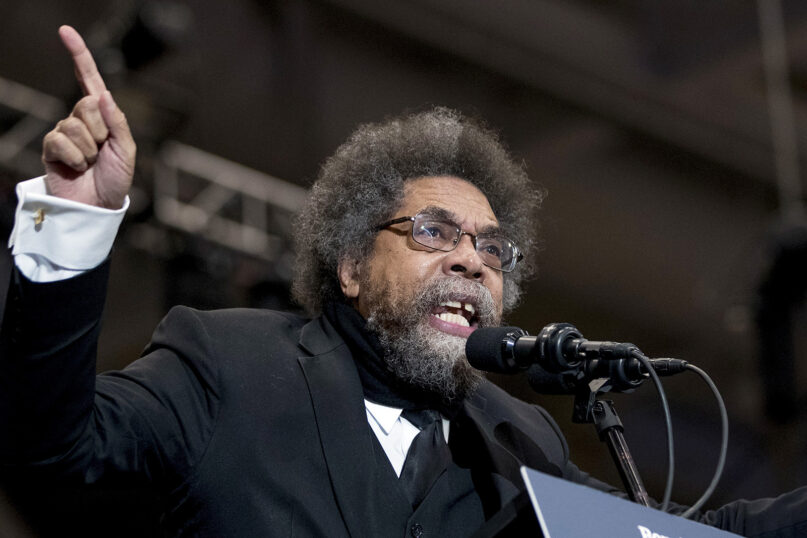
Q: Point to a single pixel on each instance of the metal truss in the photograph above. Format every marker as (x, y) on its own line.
(224, 202)
(194, 192)
(27, 115)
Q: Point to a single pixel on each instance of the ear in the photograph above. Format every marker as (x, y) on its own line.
(348, 271)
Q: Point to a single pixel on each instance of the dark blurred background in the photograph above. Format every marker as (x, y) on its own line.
(673, 218)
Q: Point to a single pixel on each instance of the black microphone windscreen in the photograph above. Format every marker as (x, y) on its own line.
(484, 349)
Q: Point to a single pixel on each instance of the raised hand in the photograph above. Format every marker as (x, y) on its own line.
(90, 155)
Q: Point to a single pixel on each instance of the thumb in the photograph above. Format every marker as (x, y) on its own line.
(115, 120)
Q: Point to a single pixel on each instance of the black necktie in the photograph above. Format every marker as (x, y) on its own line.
(428, 455)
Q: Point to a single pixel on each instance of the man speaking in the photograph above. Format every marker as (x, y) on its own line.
(364, 420)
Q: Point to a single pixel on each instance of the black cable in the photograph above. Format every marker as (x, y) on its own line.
(668, 420)
(721, 462)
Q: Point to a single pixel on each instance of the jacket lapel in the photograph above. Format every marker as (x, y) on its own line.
(494, 450)
(347, 442)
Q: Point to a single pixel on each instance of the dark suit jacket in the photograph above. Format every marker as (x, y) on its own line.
(251, 422)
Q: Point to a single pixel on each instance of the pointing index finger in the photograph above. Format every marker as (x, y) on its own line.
(86, 71)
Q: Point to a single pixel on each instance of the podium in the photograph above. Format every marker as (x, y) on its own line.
(556, 508)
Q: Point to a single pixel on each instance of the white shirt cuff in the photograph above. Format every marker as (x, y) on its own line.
(54, 238)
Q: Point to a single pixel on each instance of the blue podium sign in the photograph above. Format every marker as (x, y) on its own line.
(568, 510)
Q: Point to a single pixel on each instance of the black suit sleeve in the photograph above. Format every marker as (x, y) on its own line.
(151, 420)
(781, 517)
(47, 363)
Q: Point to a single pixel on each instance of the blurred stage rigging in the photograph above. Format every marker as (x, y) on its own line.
(647, 123)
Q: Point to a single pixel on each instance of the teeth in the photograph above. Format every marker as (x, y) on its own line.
(456, 304)
(453, 318)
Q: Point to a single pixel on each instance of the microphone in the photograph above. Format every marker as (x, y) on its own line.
(558, 347)
(559, 359)
(623, 375)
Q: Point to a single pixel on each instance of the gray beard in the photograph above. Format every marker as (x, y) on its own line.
(419, 354)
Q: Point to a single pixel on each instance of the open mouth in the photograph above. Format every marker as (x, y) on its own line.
(455, 317)
(456, 312)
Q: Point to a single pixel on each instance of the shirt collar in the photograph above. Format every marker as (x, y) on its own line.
(385, 416)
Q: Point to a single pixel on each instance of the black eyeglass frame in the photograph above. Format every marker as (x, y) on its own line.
(518, 254)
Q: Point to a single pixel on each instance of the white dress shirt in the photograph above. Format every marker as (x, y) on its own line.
(55, 239)
(394, 432)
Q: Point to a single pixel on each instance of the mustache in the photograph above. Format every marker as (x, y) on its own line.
(438, 291)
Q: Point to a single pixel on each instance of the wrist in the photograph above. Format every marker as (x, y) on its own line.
(74, 191)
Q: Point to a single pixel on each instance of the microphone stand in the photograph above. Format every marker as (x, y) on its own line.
(511, 522)
(589, 410)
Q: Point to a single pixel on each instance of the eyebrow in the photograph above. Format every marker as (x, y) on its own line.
(444, 214)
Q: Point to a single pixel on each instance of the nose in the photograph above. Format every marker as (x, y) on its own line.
(464, 261)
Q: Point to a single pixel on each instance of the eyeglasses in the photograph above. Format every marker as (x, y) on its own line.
(495, 250)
